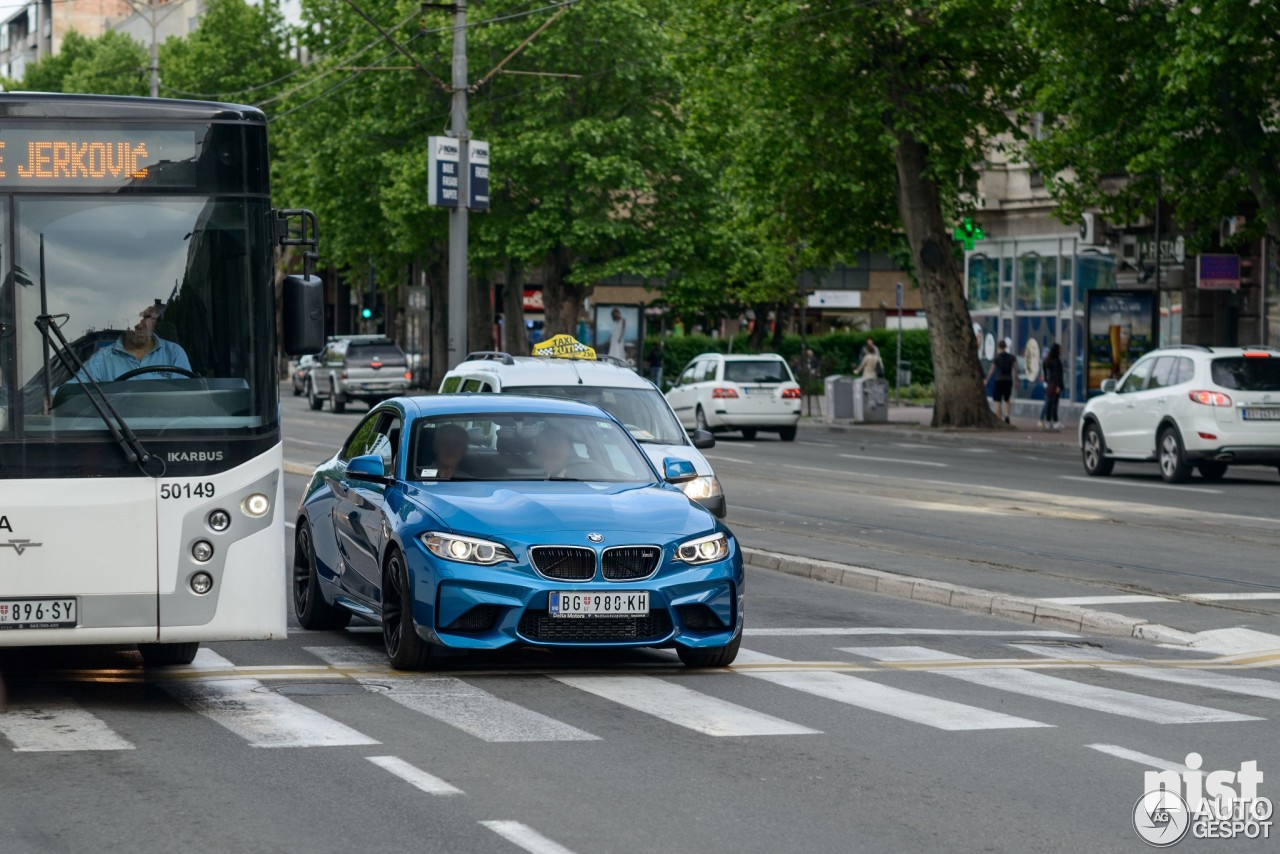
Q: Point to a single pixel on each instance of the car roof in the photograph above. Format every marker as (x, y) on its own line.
(736, 357)
(544, 371)
(1198, 349)
(426, 406)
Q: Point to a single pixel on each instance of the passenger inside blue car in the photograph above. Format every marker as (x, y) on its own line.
(137, 349)
(450, 444)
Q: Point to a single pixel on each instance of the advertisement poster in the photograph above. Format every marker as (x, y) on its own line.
(1121, 327)
(617, 332)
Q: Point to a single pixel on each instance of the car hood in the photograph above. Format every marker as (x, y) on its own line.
(525, 509)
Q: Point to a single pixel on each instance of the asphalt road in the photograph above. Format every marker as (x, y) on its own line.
(851, 721)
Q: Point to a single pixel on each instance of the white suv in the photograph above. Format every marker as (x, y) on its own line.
(1188, 407)
(612, 386)
(746, 393)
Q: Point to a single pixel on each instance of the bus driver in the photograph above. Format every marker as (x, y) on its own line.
(138, 347)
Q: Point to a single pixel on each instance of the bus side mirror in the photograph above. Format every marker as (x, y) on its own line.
(303, 311)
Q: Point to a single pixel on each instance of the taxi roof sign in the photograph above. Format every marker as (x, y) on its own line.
(564, 347)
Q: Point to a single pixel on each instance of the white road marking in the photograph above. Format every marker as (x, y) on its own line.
(865, 630)
(57, 725)
(1140, 758)
(874, 459)
(683, 706)
(1232, 684)
(1114, 482)
(460, 704)
(819, 444)
(416, 777)
(1055, 689)
(914, 445)
(1235, 640)
(743, 445)
(727, 459)
(524, 836)
(1105, 600)
(290, 525)
(895, 702)
(984, 451)
(262, 718)
(1230, 597)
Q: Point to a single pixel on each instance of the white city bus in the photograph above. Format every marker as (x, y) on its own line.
(140, 456)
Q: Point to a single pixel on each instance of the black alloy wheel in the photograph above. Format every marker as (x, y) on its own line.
(308, 602)
(405, 649)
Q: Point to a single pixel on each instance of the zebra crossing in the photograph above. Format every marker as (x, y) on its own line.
(856, 681)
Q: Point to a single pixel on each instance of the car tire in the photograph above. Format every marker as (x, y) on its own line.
(308, 602)
(314, 402)
(297, 392)
(716, 656)
(1093, 452)
(787, 434)
(405, 649)
(700, 419)
(339, 403)
(1174, 467)
(168, 654)
(748, 433)
(1211, 470)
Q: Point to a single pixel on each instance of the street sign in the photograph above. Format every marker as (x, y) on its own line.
(478, 189)
(968, 232)
(897, 294)
(417, 298)
(442, 172)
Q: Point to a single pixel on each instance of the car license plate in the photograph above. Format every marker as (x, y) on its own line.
(611, 603)
(38, 613)
(1261, 414)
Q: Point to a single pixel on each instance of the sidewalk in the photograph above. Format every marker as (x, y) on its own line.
(1023, 429)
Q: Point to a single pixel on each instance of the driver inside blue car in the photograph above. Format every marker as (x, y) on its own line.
(137, 348)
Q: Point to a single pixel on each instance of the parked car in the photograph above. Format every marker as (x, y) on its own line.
(719, 392)
(613, 387)
(485, 521)
(1187, 407)
(299, 372)
(370, 368)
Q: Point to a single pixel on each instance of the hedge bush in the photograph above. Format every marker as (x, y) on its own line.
(837, 352)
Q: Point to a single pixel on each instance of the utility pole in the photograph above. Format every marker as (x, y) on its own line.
(458, 215)
(153, 20)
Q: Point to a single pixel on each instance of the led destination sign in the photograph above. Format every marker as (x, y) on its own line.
(61, 157)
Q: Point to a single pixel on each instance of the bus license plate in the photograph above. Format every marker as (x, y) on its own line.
(613, 603)
(38, 613)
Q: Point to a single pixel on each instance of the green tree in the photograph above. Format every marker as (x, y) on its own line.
(237, 53)
(112, 64)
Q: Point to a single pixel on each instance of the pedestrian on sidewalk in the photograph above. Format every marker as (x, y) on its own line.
(870, 366)
(1051, 371)
(1002, 368)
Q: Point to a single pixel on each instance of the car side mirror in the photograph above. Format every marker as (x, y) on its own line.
(303, 315)
(368, 467)
(678, 471)
(1108, 386)
(703, 439)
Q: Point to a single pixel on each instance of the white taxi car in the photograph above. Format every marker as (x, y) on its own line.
(611, 385)
(1187, 407)
(746, 393)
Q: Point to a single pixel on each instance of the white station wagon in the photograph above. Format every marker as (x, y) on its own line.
(1188, 407)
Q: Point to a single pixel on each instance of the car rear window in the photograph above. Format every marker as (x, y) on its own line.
(1247, 373)
(387, 354)
(771, 371)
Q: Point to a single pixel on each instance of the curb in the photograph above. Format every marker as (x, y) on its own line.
(1021, 608)
(953, 435)
(291, 467)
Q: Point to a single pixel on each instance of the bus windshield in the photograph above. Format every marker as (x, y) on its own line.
(160, 299)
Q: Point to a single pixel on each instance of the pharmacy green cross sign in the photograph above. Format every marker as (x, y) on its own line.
(968, 233)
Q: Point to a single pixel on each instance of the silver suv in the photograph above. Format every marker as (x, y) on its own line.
(370, 368)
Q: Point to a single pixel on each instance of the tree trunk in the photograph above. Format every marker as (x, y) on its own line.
(562, 300)
(960, 398)
(515, 338)
(480, 313)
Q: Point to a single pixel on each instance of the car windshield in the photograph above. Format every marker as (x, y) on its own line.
(643, 411)
(756, 371)
(1247, 373)
(525, 446)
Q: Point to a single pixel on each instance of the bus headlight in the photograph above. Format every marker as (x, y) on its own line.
(256, 505)
(202, 551)
(201, 583)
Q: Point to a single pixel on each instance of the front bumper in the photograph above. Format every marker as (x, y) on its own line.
(466, 607)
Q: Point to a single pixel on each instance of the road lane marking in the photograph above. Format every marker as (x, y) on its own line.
(1229, 597)
(683, 706)
(263, 718)
(1104, 600)
(1115, 482)
(1140, 758)
(524, 836)
(415, 777)
(872, 459)
(1229, 683)
(459, 704)
(819, 444)
(728, 459)
(865, 630)
(57, 725)
(875, 697)
(1058, 690)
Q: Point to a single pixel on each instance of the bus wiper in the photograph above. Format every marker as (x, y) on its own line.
(119, 428)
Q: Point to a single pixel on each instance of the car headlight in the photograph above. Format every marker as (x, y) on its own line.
(466, 549)
(703, 487)
(707, 549)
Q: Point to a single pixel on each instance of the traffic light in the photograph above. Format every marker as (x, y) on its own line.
(366, 312)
